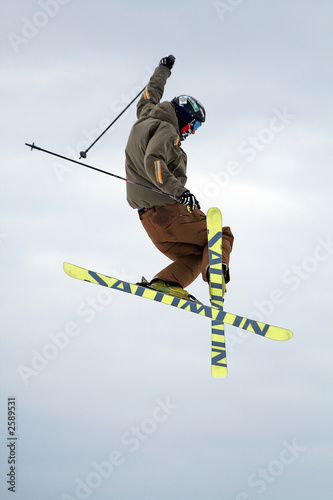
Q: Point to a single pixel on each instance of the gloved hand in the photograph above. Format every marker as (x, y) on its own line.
(190, 200)
(168, 61)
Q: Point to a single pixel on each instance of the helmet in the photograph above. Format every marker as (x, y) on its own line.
(189, 112)
(189, 108)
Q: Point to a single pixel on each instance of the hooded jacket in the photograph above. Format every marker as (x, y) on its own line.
(154, 157)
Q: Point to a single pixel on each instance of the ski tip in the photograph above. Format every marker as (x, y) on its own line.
(213, 209)
(215, 214)
(289, 334)
(219, 371)
(281, 334)
(68, 268)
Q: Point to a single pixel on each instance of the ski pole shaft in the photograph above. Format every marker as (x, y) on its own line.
(156, 190)
(83, 154)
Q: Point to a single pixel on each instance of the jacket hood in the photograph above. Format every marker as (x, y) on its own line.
(165, 111)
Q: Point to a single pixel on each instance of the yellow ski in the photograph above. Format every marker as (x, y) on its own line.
(262, 329)
(217, 290)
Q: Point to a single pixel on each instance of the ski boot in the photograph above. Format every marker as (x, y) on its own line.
(168, 287)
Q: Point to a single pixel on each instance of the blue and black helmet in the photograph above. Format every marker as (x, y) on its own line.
(189, 109)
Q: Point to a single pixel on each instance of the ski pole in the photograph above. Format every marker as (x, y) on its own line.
(83, 154)
(156, 190)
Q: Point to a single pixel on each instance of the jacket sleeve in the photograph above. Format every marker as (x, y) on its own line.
(153, 92)
(160, 162)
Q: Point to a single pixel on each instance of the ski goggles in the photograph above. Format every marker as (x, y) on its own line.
(195, 124)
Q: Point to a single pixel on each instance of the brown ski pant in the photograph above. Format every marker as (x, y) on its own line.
(182, 237)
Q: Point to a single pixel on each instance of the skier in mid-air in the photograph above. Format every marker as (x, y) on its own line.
(154, 157)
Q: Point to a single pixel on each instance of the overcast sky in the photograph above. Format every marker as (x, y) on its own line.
(114, 394)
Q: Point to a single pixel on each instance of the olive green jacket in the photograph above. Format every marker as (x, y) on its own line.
(154, 157)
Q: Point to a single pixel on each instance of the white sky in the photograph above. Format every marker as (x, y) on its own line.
(262, 70)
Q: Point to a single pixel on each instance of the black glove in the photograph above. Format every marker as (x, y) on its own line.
(190, 200)
(168, 61)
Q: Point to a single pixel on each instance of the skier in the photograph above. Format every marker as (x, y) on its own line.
(154, 157)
